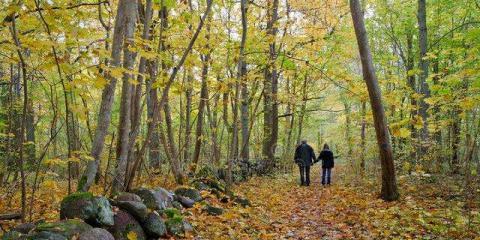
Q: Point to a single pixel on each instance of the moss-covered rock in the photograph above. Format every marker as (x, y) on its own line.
(103, 211)
(45, 236)
(83, 205)
(242, 201)
(126, 196)
(77, 205)
(158, 199)
(136, 209)
(96, 234)
(24, 228)
(12, 235)
(126, 224)
(191, 193)
(211, 210)
(67, 228)
(175, 226)
(154, 225)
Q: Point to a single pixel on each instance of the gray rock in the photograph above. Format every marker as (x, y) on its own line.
(126, 196)
(211, 210)
(154, 225)
(186, 201)
(158, 199)
(77, 205)
(46, 236)
(124, 224)
(165, 197)
(96, 234)
(177, 205)
(242, 201)
(12, 235)
(24, 228)
(67, 228)
(136, 209)
(191, 193)
(103, 211)
(83, 205)
(187, 227)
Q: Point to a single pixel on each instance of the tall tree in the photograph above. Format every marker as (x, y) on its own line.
(389, 183)
(242, 72)
(270, 109)
(423, 66)
(124, 126)
(105, 111)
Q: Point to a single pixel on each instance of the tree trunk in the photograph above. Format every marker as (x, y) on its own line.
(363, 138)
(242, 72)
(124, 127)
(389, 184)
(270, 112)
(104, 114)
(423, 65)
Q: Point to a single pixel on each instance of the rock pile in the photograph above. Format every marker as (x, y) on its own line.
(140, 214)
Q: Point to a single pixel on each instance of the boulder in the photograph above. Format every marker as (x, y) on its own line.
(24, 228)
(136, 209)
(186, 202)
(126, 225)
(83, 205)
(200, 186)
(45, 236)
(96, 234)
(191, 193)
(211, 210)
(154, 225)
(126, 196)
(158, 199)
(104, 213)
(12, 235)
(67, 228)
(242, 201)
(187, 227)
(177, 205)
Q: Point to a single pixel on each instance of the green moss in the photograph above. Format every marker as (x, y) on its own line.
(76, 196)
(172, 212)
(82, 182)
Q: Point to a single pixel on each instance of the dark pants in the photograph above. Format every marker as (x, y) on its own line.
(305, 175)
(326, 175)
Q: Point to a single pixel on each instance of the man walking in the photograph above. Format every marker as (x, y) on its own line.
(304, 157)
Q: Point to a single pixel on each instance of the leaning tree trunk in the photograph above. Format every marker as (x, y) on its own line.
(389, 183)
(105, 111)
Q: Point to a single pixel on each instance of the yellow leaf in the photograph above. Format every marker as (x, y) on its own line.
(132, 235)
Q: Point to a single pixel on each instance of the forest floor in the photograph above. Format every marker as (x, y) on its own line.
(430, 208)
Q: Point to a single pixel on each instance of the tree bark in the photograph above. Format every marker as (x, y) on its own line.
(105, 111)
(242, 72)
(389, 184)
(270, 112)
(423, 65)
(124, 127)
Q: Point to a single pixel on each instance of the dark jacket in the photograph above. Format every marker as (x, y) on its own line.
(327, 158)
(304, 155)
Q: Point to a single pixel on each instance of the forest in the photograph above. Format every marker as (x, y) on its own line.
(184, 119)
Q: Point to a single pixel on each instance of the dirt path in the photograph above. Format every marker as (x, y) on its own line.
(284, 210)
(281, 210)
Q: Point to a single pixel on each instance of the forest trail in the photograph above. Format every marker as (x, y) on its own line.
(284, 210)
(346, 210)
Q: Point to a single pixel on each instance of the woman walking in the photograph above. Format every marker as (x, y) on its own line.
(327, 164)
